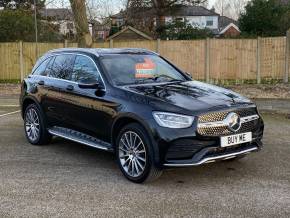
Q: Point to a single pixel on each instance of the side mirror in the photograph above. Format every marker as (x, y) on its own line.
(188, 74)
(94, 85)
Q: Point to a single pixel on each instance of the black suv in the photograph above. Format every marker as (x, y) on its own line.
(138, 105)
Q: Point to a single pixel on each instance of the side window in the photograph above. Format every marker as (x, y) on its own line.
(62, 67)
(85, 71)
(41, 69)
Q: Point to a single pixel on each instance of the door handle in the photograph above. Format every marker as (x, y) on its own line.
(69, 88)
(41, 82)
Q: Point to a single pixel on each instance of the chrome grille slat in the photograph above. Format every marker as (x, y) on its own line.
(212, 124)
(219, 116)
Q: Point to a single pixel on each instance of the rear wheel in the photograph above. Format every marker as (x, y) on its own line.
(134, 154)
(35, 126)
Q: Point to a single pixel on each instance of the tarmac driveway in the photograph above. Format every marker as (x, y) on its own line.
(67, 179)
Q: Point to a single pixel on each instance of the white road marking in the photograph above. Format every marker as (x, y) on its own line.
(14, 112)
(10, 105)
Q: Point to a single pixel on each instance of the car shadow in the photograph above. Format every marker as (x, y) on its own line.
(95, 158)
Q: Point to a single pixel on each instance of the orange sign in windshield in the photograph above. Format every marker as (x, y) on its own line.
(145, 69)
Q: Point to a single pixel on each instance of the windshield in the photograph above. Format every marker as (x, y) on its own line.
(127, 69)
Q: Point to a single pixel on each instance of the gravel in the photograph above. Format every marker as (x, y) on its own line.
(66, 179)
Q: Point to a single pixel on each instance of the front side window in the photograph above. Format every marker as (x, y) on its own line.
(41, 69)
(62, 67)
(85, 71)
(125, 69)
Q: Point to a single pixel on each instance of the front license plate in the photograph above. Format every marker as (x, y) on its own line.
(236, 139)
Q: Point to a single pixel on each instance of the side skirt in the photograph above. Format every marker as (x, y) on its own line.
(80, 138)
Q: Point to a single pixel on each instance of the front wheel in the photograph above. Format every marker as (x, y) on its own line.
(134, 154)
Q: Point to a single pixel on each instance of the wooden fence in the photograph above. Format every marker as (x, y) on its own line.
(212, 60)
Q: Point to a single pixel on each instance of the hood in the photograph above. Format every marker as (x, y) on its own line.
(192, 95)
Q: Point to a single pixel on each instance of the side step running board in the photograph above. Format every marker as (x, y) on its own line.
(80, 138)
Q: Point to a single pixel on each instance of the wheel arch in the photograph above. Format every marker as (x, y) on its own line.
(27, 101)
(126, 119)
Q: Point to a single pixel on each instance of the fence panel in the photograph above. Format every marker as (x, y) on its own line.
(151, 45)
(101, 45)
(30, 54)
(273, 58)
(9, 61)
(232, 59)
(229, 59)
(189, 56)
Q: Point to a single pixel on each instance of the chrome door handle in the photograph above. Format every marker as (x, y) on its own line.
(70, 88)
(41, 82)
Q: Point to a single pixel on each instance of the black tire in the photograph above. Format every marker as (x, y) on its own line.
(43, 137)
(150, 171)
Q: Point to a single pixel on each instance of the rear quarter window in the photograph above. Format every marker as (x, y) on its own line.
(42, 68)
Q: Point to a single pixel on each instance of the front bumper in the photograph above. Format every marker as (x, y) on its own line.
(213, 154)
(196, 150)
(194, 146)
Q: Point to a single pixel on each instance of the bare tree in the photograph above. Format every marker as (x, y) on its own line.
(230, 8)
(238, 7)
(223, 7)
(101, 9)
(81, 22)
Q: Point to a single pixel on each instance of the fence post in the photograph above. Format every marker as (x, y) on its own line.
(207, 60)
(111, 43)
(287, 56)
(65, 43)
(21, 60)
(259, 60)
(158, 45)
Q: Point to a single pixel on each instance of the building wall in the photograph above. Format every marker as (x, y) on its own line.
(231, 32)
(65, 26)
(197, 21)
(118, 22)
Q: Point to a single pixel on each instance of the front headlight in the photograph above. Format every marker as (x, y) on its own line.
(174, 121)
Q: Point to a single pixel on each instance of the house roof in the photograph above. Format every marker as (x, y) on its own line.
(144, 35)
(179, 10)
(225, 21)
(183, 10)
(57, 13)
(228, 27)
(119, 15)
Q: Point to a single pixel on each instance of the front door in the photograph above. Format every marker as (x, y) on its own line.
(87, 109)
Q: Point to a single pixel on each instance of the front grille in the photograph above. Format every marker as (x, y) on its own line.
(219, 116)
(223, 130)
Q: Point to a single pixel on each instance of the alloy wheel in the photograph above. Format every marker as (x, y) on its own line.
(32, 124)
(132, 154)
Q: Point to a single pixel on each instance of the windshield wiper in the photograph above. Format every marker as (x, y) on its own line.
(140, 81)
(158, 77)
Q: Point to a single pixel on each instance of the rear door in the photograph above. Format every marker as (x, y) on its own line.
(37, 80)
(57, 83)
